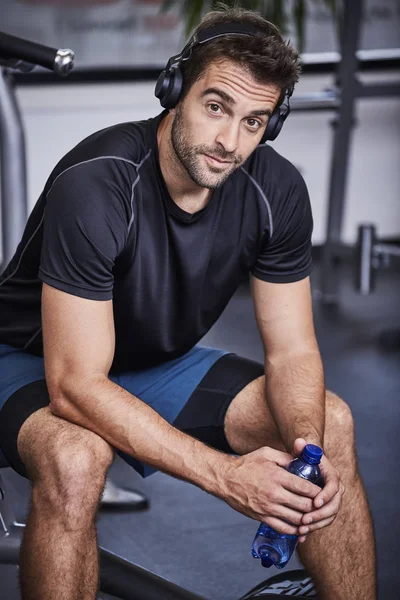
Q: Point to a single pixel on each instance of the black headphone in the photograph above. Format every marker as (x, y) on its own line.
(170, 81)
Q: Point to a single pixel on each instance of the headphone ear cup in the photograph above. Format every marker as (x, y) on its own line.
(274, 126)
(175, 89)
(169, 87)
(162, 86)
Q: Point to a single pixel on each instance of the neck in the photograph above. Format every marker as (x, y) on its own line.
(182, 189)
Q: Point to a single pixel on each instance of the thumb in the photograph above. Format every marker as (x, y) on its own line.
(298, 446)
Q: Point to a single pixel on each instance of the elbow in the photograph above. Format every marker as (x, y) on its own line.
(61, 396)
(67, 393)
(58, 402)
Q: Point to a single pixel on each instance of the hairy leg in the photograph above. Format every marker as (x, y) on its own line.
(331, 555)
(67, 465)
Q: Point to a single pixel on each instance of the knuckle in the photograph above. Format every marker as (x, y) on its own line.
(298, 519)
(307, 506)
(273, 495)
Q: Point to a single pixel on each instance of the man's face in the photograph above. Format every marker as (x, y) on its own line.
(220, 122)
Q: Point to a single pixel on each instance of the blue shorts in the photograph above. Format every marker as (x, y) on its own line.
(167, 388)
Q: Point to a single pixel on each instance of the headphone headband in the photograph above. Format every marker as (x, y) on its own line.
(225, 29)
(170, 82)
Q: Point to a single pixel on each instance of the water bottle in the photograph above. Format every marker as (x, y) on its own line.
(276, 548)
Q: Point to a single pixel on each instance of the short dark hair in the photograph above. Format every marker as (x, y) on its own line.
(266, 55)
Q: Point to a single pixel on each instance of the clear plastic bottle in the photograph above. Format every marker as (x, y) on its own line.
(275, 548)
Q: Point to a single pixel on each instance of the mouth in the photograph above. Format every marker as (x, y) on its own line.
(217, 161)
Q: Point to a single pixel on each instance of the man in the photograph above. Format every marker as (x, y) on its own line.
(140, 238)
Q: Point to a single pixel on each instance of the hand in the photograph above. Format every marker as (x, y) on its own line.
(331, 495)
(257, 486)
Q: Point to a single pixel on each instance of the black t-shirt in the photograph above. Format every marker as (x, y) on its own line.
(106, 227)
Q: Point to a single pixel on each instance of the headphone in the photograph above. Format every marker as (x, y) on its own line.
(170, 81)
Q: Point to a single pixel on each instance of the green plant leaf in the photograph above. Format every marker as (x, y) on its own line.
(272, 10)
(299, 18)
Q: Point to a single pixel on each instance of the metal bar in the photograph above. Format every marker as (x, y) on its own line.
(325, 100)
(347, 82)
(126, 580)
(13, 196)
(387, 54)
(381, 89)
(388, 249)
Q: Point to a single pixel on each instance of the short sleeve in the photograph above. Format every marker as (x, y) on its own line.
(285, 256)
(85, 229)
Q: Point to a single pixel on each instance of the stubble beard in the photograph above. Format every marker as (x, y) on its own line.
(190, 157)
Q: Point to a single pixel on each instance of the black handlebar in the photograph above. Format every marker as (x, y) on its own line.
(15, 48)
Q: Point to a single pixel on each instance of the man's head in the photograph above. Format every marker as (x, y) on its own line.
(231, 86)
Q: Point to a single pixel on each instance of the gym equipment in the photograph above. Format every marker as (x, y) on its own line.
(348, 88)
(372, 255)
(118, 577)
(169, 84)
(20, 55)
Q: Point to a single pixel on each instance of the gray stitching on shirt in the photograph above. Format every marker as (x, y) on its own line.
(23, 251)
(133, 189)
(28, 343)
(136, 165)
(271, 225)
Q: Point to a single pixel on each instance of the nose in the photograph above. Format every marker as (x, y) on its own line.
(228, 136)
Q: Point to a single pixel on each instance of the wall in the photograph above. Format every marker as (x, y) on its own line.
(58, 117)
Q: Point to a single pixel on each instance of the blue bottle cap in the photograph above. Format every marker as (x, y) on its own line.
(312, 454)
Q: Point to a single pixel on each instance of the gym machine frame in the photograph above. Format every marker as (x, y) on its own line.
(118, 577)
(348, 89)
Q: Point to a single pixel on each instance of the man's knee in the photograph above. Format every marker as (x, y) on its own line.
(339, 439)
(67, 465)
(339, 415)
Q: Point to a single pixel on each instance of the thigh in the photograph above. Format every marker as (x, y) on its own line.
(204, 415)
(35, 441)
(249, 424)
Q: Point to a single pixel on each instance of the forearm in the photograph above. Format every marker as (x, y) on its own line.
(296, 397)
(130, 425)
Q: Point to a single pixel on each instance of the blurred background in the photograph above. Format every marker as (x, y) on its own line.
(343, 135)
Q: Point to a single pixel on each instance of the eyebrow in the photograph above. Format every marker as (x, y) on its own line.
(229, 100)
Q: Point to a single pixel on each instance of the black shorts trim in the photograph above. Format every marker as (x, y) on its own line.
(20, 405)
(203, 415)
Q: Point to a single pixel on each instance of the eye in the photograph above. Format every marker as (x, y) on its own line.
(214, 108)
(254, 124)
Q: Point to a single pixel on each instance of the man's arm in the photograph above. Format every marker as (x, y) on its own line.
(293, 366)
(79, 340)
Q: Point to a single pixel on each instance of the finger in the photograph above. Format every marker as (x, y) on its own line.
(280, 458)
(298, 446)
(281, 526)
(295, 502)
(292, 517)
(331, 509)
(300, 486)
(303, 530)
(331, 488)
